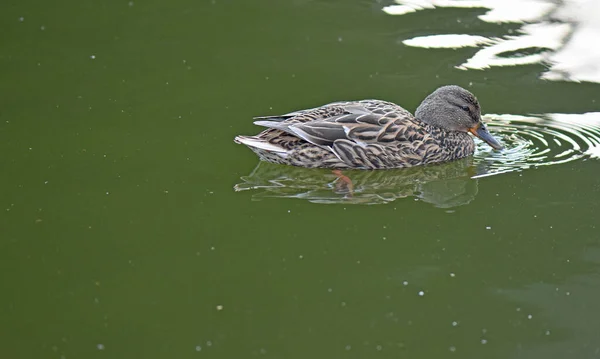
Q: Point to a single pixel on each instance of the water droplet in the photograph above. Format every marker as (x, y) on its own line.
(452, 349)
(483, 341)
(92, 57)
(100, 346)
(198, 348)
(421, 293)
(454, 323)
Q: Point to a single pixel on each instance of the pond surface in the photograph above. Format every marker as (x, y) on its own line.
(131, 225)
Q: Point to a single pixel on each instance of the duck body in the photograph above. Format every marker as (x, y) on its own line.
(367, 134)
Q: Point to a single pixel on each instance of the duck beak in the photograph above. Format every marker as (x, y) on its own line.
(480, 131)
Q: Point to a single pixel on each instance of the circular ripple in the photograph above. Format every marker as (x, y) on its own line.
(538, 141)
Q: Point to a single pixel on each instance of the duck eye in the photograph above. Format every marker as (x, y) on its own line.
(465, 108)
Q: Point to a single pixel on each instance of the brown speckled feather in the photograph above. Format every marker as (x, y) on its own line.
(368, 134)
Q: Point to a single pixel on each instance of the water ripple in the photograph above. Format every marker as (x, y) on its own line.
(539, 141)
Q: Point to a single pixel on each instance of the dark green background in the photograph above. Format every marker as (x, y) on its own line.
(120, 232)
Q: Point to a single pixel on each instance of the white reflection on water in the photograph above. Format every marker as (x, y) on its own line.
(451, 41)
(563, 33)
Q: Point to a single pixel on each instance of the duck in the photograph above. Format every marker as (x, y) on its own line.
(374, 134)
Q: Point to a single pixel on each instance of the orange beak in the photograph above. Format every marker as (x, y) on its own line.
(480, 131)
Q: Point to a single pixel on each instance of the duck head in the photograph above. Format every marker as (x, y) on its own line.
(455, 109)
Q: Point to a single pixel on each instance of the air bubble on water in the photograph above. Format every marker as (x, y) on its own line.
(198, 348)
(452, 349)
(488, 227)
(208, 343)
(547, 332)
(379, 348)
(21, 19)
(421, 293)
(329, 290)
(100, 346)
(130, 4)
(348, 347)
(92, 57)
(452, 275)
(405, 283)
(300, 256)
(455, 323)
(529, 316)
(483, 341)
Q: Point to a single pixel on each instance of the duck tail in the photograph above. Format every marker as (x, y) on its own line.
(257, 143)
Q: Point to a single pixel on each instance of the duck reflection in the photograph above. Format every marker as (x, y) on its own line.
(446, 185)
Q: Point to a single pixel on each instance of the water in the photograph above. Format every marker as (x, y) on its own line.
(132, 226)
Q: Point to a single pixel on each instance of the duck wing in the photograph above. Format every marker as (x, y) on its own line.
(362, 122)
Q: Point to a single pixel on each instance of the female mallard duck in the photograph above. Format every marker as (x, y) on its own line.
(373, 134)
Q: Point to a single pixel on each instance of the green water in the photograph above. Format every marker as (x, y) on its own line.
(121, 234)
